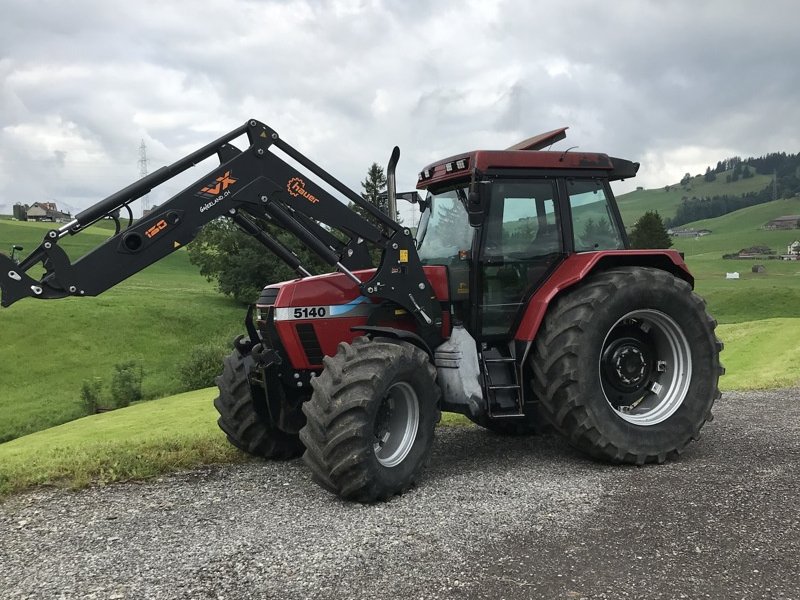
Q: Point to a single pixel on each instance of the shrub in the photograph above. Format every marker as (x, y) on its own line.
(126, 383)
(202, 366)
(92, 395)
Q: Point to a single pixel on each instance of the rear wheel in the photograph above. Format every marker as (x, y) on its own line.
(244, 417)
(626, 366)
(370, 421)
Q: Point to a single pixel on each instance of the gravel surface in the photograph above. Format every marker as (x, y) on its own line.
(493, 517)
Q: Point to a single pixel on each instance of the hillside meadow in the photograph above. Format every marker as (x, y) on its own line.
(48, 348)
(759, 313)
(634, 204)
(754, 296)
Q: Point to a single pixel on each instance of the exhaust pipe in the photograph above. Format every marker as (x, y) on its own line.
(391, 186)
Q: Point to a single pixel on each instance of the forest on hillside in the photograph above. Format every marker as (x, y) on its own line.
(785, 168)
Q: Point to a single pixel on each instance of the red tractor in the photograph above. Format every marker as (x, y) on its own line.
(516, 304)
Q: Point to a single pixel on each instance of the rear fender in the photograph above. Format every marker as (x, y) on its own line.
(579, 266)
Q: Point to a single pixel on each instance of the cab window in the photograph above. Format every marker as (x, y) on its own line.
(592, 223)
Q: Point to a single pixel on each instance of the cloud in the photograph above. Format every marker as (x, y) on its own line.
(671, 84)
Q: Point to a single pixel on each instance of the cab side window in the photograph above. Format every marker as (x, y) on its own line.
(592, 223)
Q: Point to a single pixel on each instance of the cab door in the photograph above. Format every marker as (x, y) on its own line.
(519, 246)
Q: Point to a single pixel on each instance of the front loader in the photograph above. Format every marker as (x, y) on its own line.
(516, 304)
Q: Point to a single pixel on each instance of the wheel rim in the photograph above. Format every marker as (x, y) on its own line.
(645, 367)
(396, 424)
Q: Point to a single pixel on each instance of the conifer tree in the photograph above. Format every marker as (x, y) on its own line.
(649, 232)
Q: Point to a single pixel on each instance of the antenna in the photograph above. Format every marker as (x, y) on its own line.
(142, 173)
(565, 153)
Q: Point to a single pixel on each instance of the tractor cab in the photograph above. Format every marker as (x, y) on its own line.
(502, 222)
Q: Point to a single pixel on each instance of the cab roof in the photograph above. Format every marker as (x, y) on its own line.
(526, 155)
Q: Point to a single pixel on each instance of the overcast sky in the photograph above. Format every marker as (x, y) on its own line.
(673, 85)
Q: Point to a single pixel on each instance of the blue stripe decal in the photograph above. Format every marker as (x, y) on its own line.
(340, 309)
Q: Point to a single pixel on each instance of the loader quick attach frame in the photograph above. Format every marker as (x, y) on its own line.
(248, 185)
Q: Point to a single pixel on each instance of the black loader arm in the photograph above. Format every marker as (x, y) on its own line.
(249, 184)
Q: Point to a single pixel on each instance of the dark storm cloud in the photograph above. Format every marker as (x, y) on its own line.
(676, 85)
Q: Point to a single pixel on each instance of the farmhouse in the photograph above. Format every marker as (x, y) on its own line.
(47, 211)
(786, 222)
(755, 252)
(792, 251)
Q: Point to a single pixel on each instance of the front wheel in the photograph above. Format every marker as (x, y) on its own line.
(626, 365)
(370, 421)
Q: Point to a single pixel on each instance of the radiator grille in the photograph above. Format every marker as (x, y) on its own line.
(310, 342)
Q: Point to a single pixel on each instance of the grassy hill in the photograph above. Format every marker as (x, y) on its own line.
(47, 349)
(180, 432)
(131, 443)
(634, 204)
(755, 295)
(744, 228)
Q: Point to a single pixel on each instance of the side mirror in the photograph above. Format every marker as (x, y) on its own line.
(476, 203)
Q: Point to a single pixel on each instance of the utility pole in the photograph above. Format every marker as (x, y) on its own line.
(142, 173)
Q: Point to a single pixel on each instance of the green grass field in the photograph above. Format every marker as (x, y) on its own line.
(754, 296)
(130, 443)
(47, 349)
(759, 314)
(634, 204)
(760, 354)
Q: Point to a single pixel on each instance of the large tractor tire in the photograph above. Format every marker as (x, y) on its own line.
(626, 365)
(371, 418)
(244, 417)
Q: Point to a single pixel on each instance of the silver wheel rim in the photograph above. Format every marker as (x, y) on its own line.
(396, 424)
(645, 367)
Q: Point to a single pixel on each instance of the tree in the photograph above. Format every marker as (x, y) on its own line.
(710, 175)
(649, 232)
(686, 180)
(598, 235)
(737, 171)
(373, 186)
(239, 264)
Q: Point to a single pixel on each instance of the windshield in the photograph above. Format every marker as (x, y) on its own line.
(444, 227)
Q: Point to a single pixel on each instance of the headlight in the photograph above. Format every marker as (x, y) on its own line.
(262, 313)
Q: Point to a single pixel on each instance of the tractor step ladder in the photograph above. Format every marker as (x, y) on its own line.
(514, 387)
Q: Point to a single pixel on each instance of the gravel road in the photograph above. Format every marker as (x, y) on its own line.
(493, 517)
